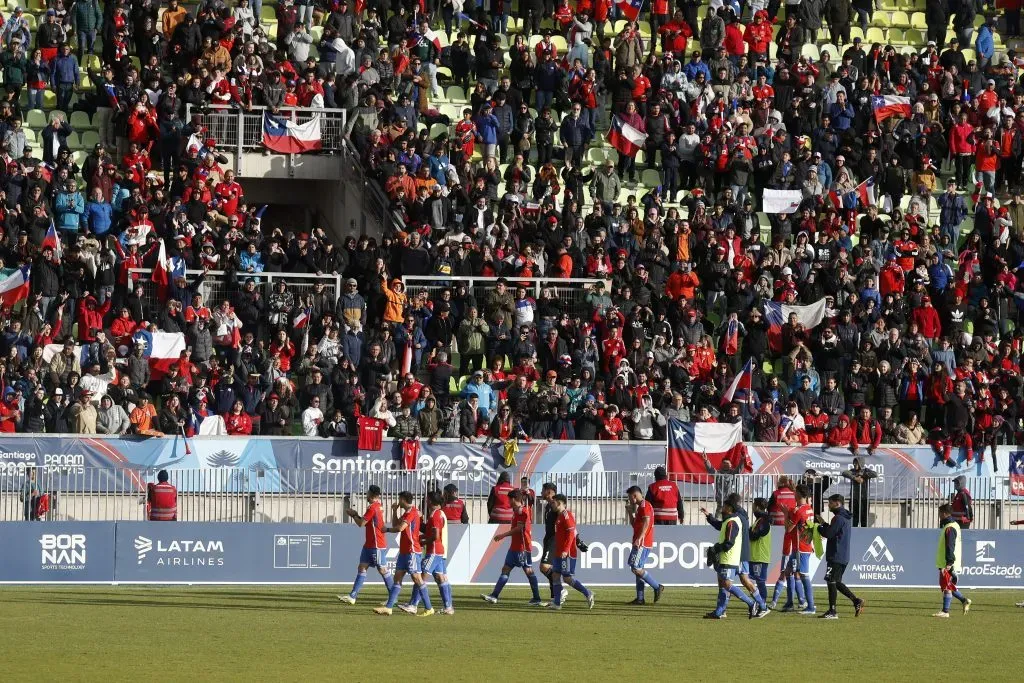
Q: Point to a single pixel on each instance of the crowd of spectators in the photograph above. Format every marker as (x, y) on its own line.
(920, 341)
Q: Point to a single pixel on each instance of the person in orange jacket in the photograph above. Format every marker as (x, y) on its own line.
(396, 300)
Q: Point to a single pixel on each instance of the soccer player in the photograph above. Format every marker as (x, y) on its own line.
(728, 552)
(372, 554)
(641, 516)
(760, 546)
(780, 507)
(547, 557)
(406, 523)
(948, 558)
(519, 552)
(744, 568)
(565, 554)
(800, 560)
(435, 534)
(837, 555)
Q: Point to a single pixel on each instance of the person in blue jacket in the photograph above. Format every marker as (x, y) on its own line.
(487, 130)
(984, 44)
(837, 554)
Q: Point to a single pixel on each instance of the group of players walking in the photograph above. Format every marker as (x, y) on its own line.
(740, 558)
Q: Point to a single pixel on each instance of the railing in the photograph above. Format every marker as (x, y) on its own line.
(570, 292)
(219, 285)
(276, 495)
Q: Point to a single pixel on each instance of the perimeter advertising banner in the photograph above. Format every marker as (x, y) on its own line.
(168, 553)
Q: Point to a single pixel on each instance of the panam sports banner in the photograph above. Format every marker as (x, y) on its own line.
(311, 465)
(162, 553)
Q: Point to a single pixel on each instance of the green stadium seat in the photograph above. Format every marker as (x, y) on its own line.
(463, 381)
(456, 94)
(650, 178)
(914, 37)
(897, 36)
(767, 367)
(35, 119)
(90, 139)
(74, 142)
(80, 121)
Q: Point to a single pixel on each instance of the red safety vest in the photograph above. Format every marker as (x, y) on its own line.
(664, 497)
(453, 511)
(163, 502)
(785, 500)
(502, 512)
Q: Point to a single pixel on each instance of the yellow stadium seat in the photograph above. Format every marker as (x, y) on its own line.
(832, 50)
(559, 43)
(80, 121)
(810, 50)
(35, 119)
(90, 139)
(874, 35)
(900, 20)
(969, 54)
(914, 37)
(880, 20)
(917, 20)
(856, 32)
(74, 142)
(30, 136)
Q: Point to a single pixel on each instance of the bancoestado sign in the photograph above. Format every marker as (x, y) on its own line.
(169, 553)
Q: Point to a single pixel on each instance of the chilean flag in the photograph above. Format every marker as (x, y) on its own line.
(430, 35)
(1017, 473)
(14, 287)
(777, 314)
(740, 381)
(630, 9)
(731, 339)
(866, 192)
(161, 273)
(625, 138)
(887, 106)
(162, 350)
(53, 241)
(689, 442)
(288, 137)
(301, 320)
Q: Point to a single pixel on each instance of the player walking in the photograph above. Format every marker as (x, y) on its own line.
(800, 560)
(948, 559)
(780, 508)
(372, 554)
(519, 552)
(435, 534)
(547, 557)
(837, 555)
(727, 553)
(406, 523)
(565, 554)
(641, 516)
(744, 568)
(760, 547)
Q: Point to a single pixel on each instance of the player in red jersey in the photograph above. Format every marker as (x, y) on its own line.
(520, 551)
(565, 554)
(780, 506)
(641, 516)
(372, 554)
(435, 542)
(406, 523)
(800, 559)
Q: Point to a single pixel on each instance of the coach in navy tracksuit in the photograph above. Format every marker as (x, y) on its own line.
(837, 554)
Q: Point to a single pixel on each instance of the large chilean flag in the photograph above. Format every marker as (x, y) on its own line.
(288, 137)
(162, 349)
(630, 9)
(689, 442)
(15, 287)
(777, 314)
(625, 138)
(887, 106)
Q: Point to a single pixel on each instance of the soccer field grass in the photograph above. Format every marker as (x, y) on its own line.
(296, 633)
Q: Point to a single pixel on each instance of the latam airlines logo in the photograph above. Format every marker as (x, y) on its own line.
(179, 553)
(878, 563)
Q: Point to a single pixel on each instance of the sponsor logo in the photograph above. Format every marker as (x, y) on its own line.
(986, 564)
(457, 468)
(179, 552)
(878, 563)
(687, 555)
(17, 462)
(840, 467)
(302, 551)
(62, 552)
(224, 459)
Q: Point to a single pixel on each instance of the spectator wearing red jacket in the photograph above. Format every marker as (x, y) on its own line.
(230, 193)
(816, 423)
(90, 317)
(758, 36)
(927, 319)
(841, 434)
(961, 148)
(867, 431)
(236, 421)
(891, 280)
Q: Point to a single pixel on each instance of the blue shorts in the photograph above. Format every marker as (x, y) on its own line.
(433, 564)
(638, 558)
(566, 566)
(726, 573)
(516, 558)
(409, 562)
(372, 557)
(744, 568)
(804, 565)
(759, 571)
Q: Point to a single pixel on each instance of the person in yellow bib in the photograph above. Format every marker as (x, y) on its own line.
(948, 559)
(727, 557)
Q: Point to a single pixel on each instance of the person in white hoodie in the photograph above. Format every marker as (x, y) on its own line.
(645, 418)
(346, 60)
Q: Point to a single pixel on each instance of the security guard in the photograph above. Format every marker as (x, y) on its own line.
(948, 560)
(162, 499)
(727, 554)
(663, 494)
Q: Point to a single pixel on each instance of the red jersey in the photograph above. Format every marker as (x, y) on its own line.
(785, 500)
(374, 527)
(565, 534)
(409, 539)
(522, 540)
(453, 510)
(436, 522)
(644, 515)
(502, 511)
(664, 498)
(371, 433)
(801, 516)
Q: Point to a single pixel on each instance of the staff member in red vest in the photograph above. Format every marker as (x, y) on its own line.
(663, 495)
(963, 504)
(499, 507)
(162, 499)
(454, 507)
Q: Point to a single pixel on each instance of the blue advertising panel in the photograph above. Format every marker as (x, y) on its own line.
(72, 552)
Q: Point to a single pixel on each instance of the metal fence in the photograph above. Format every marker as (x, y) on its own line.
(221, 284)
(570, 292)
(274, 495)
(224, 124)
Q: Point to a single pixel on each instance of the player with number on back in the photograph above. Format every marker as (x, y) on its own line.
(435, 541)
(949, 560)
(641, 516)
(406, 523)
(519, 552)
(564, 566)
(372, 554)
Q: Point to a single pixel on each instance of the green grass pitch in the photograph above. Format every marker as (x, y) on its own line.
(295, 633)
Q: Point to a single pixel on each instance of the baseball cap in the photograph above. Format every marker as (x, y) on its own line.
(552, 373)
(58, 392)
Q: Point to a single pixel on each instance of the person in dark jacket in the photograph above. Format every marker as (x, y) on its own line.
(859, 476)
(837, 554)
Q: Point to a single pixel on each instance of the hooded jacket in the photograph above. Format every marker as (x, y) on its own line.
(838, 533)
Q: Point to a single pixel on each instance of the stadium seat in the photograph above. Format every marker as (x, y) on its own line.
(880, 20)
(917, 20)
(463, 381)
(914, 37)
(453, 386)
(35, 119)
(90, 139)
(650, 178)
(810, 50)
(897, 36)
(856, 32)
(456, 94)
(31, 138)
(444, 73)
(875, 35)
(969, 54)
(49, 99)
(74, 142)
(900, 20)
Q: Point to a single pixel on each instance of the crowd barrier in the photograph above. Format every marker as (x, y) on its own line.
(176, 553)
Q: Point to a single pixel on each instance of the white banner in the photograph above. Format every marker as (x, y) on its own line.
(781, 201)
